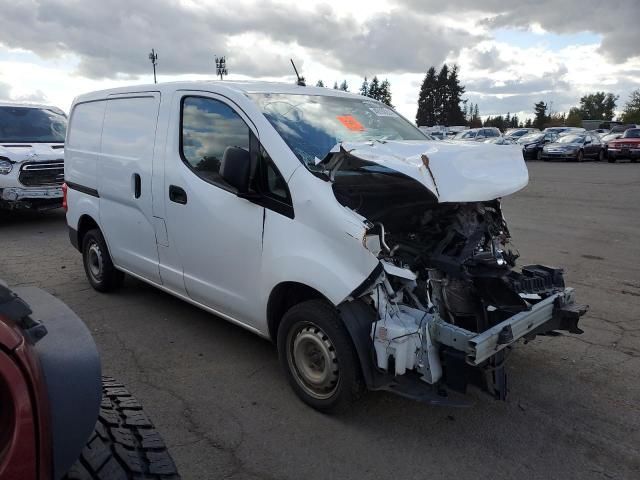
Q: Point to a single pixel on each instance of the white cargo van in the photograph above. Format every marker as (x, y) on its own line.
(319, 219)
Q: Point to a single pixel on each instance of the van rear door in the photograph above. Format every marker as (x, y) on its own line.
(124, 176)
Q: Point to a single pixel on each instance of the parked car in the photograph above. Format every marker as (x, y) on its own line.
(574, 147)
(623, 128)
(627, 146)
(516, 133)
(532, 144)
(58, 417)
(560, 131)
(605, 139)
(31, 156)
(320, 219)
(600, 131)
(501, 141)
(478, 134)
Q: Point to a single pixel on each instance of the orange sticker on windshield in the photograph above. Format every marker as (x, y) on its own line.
(351, 123)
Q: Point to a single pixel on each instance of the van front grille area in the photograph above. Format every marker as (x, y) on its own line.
(42, 174)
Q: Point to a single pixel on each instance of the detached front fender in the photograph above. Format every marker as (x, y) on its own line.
(70, 365)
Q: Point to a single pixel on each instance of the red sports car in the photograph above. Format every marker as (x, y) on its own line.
(58, 417)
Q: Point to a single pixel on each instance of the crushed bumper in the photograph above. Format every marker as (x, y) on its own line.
(40, 198)
(556, 312)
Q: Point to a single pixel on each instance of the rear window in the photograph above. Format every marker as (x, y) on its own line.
(31, 125)
(632, 133)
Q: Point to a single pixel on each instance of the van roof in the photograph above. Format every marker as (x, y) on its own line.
(242, 87)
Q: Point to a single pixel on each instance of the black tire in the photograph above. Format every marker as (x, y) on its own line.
(318, 321)
(611, 158)
(98, 266)
(124, 445)
(601, 155)
(580, 156)
(539, 155)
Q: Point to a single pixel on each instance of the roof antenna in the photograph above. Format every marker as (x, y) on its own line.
(300, 81)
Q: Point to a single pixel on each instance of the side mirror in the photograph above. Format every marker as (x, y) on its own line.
(235, 168)
(587, 142)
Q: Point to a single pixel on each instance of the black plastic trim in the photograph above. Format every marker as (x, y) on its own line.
(81, 188)
(366, 283)
(73, 237)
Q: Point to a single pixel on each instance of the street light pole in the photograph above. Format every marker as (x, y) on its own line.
(221, 66)
(153, 56)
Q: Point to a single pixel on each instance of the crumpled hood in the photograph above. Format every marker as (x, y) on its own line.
(32, 152)
(459, 172)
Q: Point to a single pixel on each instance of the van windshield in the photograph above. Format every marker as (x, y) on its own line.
(311, 125)
(32, 125)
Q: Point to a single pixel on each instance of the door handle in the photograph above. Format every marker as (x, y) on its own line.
(177, 194)
(137, 185)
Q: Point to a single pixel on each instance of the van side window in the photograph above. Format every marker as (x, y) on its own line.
(208, 128)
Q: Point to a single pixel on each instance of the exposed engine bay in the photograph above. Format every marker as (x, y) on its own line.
(453, 266)
(448, 301)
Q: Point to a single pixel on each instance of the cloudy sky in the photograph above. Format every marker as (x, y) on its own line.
(510, 53)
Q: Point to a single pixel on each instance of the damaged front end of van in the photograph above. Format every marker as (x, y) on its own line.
(446, 302)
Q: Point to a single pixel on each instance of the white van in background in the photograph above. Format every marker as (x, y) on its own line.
(320, 219)
(31, 156)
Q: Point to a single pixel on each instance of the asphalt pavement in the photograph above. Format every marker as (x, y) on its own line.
(216, 393)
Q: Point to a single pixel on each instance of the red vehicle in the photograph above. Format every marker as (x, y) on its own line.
(59, 419)
(627, 146)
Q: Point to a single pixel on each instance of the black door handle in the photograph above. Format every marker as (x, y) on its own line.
(177, 194)
(137, 185)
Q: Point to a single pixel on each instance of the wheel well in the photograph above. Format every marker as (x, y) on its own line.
(85, 224)
(284, 296)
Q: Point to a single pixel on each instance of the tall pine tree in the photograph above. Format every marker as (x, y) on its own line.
(374, 88)
(364, 88)
(344, 86)
(320, 83)
(453, 114)
(425, 117)
(384, 93)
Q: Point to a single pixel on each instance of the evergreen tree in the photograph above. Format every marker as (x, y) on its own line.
(320, 83)
(425, 117)
(364, 88)
(374, 88)
(540, 111)
(528, 123)
(453, 114)
(384, 94)
(335, 85)
(344, 86)
(441, 95)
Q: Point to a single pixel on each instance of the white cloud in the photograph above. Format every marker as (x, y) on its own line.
(60, 48)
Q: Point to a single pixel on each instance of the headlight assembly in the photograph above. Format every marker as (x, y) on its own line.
(5, 166)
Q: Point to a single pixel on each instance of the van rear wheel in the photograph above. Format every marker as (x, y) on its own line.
(318, 356)
(101, 273)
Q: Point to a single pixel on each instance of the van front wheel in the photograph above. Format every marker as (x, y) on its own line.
(318, 356)
(101, 273)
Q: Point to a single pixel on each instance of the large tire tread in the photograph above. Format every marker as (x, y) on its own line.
(124, 445)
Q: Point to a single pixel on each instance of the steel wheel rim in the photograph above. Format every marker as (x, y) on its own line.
(313, 361)
(95, 262)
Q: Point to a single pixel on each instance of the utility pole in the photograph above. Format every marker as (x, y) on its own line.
(221, 66)
(153, 56)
